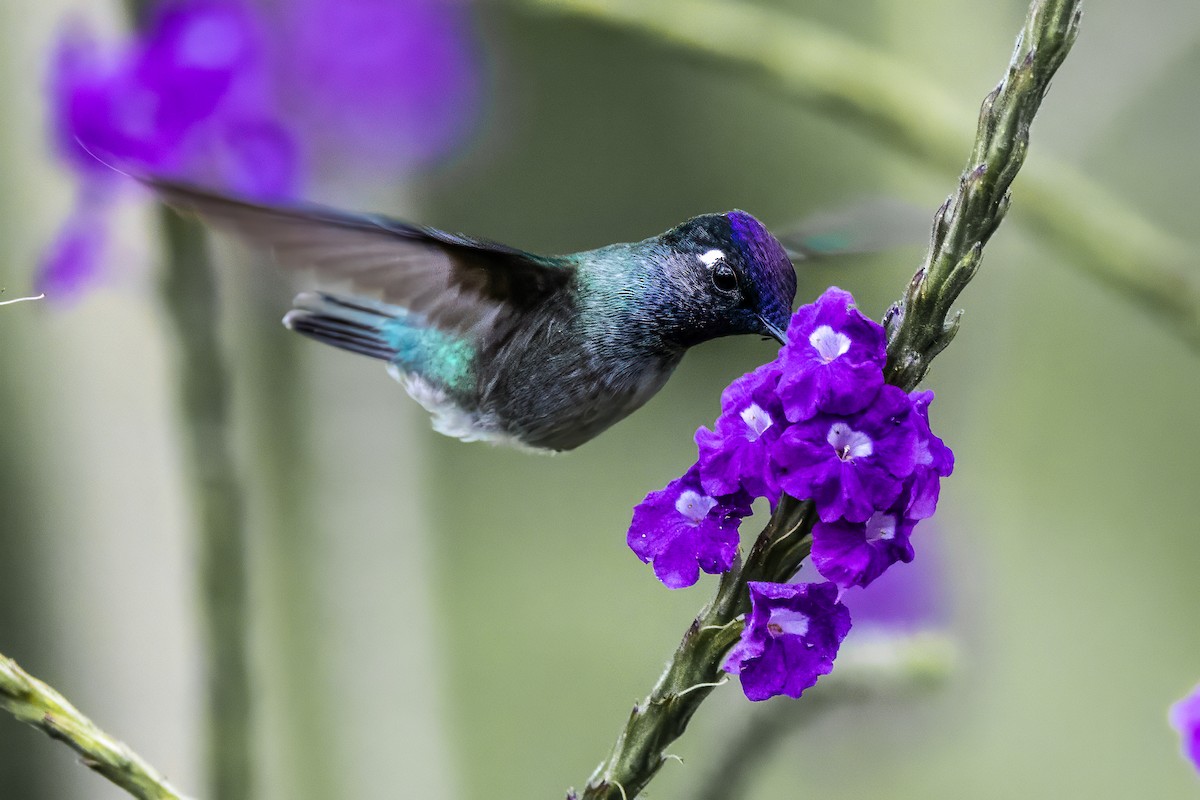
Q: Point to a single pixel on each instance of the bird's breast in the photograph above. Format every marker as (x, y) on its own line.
(560, 384)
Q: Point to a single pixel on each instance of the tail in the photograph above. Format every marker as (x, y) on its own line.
(356, 324)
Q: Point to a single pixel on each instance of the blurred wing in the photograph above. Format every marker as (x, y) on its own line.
(454, 282)
(867, 226)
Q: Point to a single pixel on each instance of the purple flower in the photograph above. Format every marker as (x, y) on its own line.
(188, 97)
(735, 455)
(854, 465)
(200, 94)
(1185, 718)
(856, 553)
(906, 598)
(683, 530)
(76, 256)
(833, 359)
(934, 462)
(384, 84)
(791, 638)
(163, 102)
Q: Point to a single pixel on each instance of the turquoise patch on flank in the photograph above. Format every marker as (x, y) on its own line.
(438, 357)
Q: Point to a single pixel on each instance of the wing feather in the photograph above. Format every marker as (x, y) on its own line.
(453, 281)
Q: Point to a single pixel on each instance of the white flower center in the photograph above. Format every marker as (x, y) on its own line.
(924, 457)
(849, 444)
(881, 526)
(828, 343)
(786, 622)
(694, 505)
(756, 420)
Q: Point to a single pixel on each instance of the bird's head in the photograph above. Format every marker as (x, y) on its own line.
(732, 276)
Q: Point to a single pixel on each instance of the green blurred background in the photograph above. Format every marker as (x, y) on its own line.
(452, 621)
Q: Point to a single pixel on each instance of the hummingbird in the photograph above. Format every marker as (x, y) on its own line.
(504, 346)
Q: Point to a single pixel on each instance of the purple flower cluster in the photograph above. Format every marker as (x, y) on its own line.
(817, 423)
(236, 96)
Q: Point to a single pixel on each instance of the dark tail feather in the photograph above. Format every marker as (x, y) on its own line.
(354, 324)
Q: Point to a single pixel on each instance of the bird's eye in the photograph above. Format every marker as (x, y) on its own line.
(724, 278)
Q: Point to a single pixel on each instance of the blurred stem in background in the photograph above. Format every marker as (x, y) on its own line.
(189, 296)
(885, 666)
(24, 766)
(287, 555)
(883, 97)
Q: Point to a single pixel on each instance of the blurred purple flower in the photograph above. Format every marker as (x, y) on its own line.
(390, 84)
(1185, 718)
(791, 638)
(76, 256)
(906, 598)
(189, 97)
(172, 99)
(197, 94)
(683, 530)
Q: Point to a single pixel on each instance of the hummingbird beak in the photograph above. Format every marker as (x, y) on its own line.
(773, 331)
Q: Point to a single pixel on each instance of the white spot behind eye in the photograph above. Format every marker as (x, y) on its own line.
(712, 257)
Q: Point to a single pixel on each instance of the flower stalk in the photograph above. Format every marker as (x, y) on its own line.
(37, 704)
(918, 327)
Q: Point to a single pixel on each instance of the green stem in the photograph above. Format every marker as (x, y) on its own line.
(917, 331)
(189, 296)
(39, 705)
(695, 669)
(918, 328)
(25, 768)
(885, 98)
